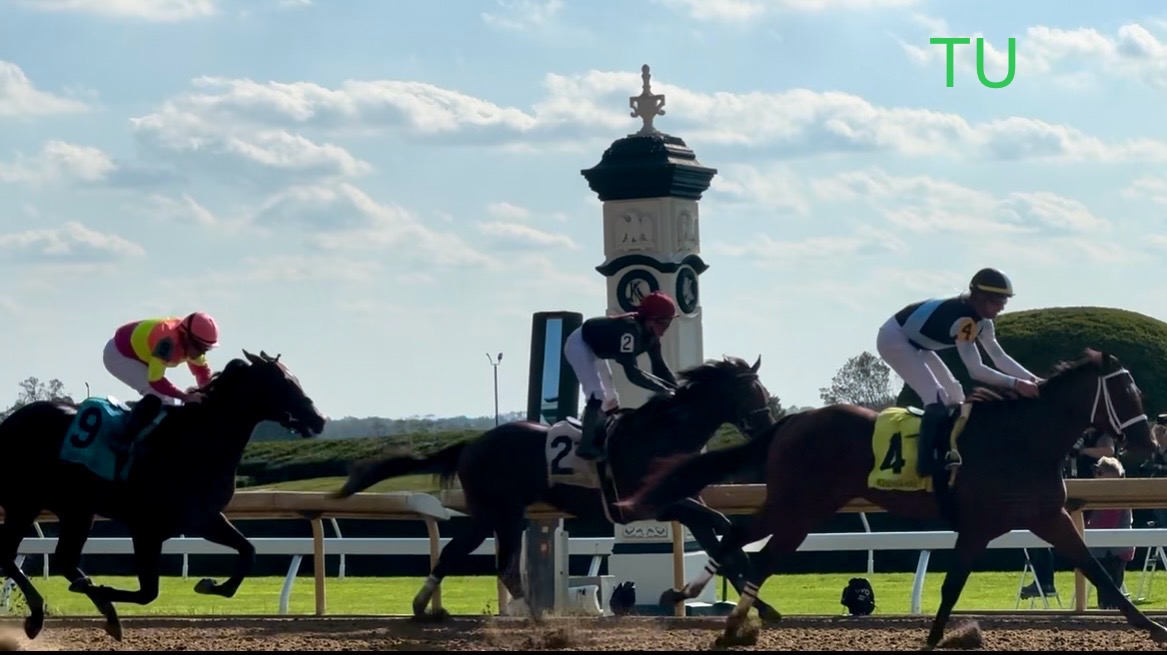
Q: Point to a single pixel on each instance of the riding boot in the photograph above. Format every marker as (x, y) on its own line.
(143, 413)
(934, 415)
(593, 422)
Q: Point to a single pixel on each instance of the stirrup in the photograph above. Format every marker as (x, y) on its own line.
(952, 460)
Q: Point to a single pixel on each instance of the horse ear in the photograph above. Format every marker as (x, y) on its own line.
(757, 364)
(251, 358)
(1094, 355)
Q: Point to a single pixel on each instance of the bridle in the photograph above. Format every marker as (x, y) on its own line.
(1103, 393)
(747, 423)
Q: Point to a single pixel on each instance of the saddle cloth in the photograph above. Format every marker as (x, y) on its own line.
(93, 438)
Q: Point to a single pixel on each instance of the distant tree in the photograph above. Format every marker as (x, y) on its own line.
(864, 380)
(775, 405)
(32, 390)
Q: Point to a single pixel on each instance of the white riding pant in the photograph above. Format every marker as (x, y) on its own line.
(922, 370)
(132, 372)
(594, 374)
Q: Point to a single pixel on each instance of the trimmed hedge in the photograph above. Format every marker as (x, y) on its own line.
(268, 462)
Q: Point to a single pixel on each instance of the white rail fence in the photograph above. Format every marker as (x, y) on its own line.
(597, 548)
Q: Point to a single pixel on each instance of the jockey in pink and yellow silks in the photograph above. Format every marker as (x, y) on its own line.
(140, 352)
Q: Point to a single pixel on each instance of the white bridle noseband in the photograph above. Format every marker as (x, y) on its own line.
(1103, 393)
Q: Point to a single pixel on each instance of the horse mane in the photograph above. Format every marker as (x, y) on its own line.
(216, 378)
(695, 378)
(1061, 371)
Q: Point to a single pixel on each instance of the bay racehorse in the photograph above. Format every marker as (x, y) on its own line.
(1009, 478)
(178, 482)
(514, 465)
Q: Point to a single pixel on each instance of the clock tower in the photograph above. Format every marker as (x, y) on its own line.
(650, 183)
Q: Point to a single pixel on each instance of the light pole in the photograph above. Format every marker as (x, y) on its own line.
(494, 363)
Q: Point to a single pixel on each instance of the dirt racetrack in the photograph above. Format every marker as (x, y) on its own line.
(628, 633)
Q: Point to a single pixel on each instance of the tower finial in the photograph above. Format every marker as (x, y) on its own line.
(647, 105)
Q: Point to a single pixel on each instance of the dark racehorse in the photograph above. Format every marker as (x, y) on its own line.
(505, 469)
(1009, 479)
(180, 482)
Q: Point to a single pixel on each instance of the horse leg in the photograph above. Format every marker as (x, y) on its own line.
(147, 562)
(73, 533)
(12, 529)
(704, 522)
(509, 532)
(797, 516)
(968, 547)
(220, 531)
(458, 549)
(1063, 536)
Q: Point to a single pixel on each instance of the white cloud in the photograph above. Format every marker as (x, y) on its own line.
(1072, 56)
(777, 188)
(239, 152)
(505, 236)
(506, 211)
(183, 209)
(70, 244)
(58, 161)
(925, 204)
(743, 11)
(1153, 187)
(20, 99)
(341, 217)
(162, 11)
(523, 15)
(580, 109)
(766, 251)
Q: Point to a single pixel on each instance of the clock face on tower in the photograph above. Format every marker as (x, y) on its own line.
(633, 286)
(686, 293)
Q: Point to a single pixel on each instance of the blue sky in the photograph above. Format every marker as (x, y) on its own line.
(383, 192)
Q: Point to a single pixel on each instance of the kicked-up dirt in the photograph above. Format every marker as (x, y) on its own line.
(998, 632)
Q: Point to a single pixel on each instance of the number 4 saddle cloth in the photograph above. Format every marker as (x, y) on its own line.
(894, 445)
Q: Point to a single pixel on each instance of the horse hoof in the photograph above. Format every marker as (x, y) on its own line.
(1159, 634)
(80, 585)
(437, 616)
(205, 586)
(33, 624)
(769, 615)
(670, 597)
(113, 627)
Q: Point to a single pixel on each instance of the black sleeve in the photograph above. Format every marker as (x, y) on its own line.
(660, 367)
(637, 376)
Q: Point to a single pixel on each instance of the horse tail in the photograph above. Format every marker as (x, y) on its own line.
(366, 473)
(684, 476)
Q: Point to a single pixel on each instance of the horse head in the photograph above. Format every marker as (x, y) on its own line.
(728, 390)
(267, 389)
(1116, 402)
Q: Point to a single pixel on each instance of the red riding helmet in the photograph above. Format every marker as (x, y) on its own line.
(657, 305)
(202, 329)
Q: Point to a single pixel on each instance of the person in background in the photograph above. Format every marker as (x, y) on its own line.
(1113, 559)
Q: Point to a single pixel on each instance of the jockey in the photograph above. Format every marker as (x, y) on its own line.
(621, 338)
(908, 342)
(139, 353)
